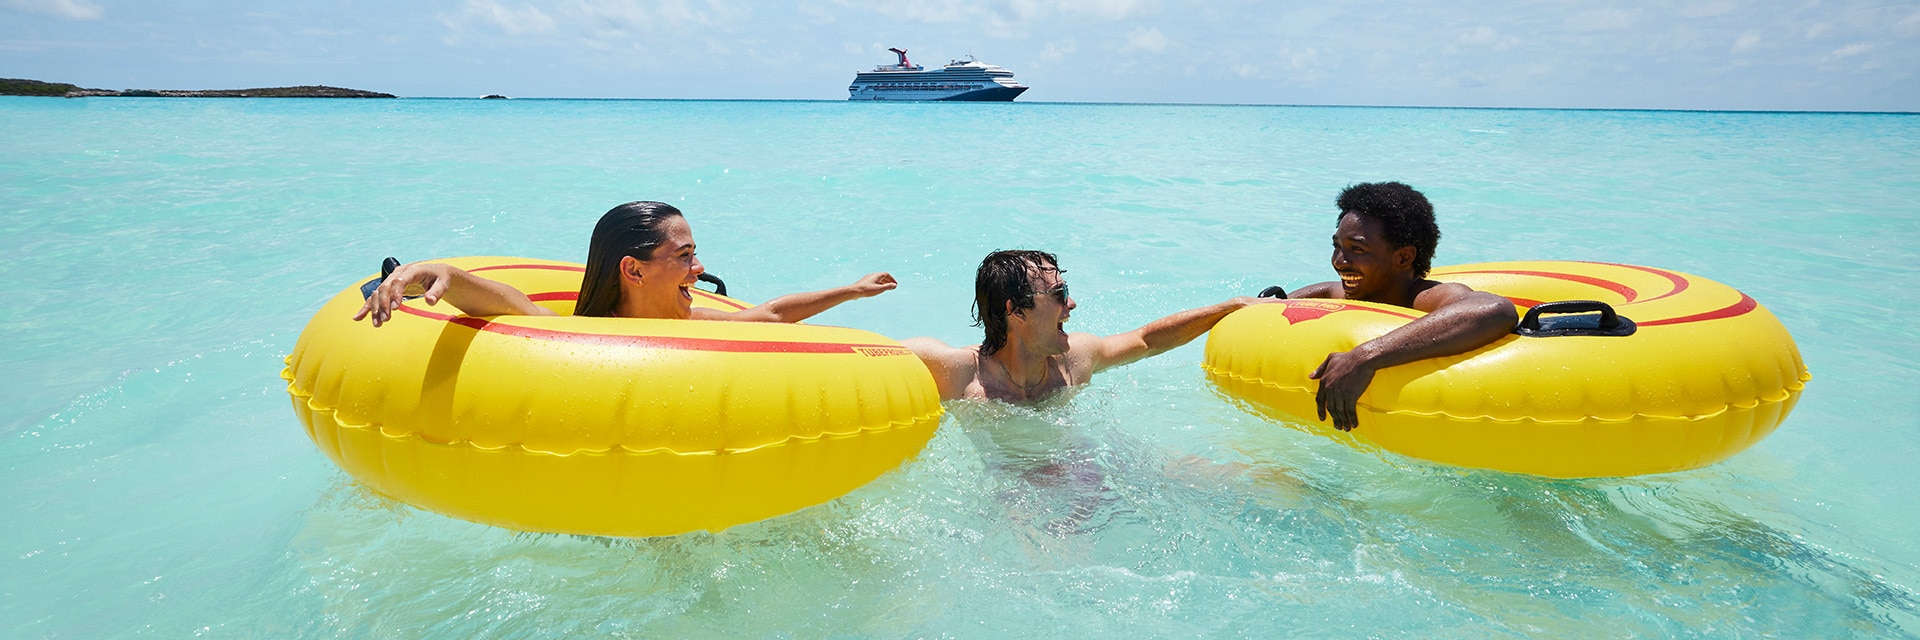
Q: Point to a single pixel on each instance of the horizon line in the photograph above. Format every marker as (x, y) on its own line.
(1070, 102)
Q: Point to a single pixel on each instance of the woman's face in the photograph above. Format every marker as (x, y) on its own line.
(660, 286)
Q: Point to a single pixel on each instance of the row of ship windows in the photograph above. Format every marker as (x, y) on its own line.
(916, 87)
(870, 77)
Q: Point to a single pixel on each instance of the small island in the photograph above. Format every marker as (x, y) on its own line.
(21, 87)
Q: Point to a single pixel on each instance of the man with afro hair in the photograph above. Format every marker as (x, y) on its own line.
(1382, 250)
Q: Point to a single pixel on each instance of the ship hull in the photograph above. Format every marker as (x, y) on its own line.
(993, 94)
(1002, 94)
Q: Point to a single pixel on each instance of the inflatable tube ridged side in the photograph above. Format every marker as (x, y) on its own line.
(605, 426)
(1709, 373)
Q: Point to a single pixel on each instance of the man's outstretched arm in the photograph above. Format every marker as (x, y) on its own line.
(1159, 336)
(1462, 320)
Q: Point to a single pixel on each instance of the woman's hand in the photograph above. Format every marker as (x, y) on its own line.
(428, 280)
(873, 284)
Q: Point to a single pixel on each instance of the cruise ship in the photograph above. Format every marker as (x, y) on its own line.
(967, 79)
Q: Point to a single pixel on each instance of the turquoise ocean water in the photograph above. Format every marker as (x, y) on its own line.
(161, 256)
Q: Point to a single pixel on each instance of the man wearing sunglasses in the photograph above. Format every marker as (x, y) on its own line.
(1022, 302)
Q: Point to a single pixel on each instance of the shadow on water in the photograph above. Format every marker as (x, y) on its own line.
(1669, 555)
(387, 569)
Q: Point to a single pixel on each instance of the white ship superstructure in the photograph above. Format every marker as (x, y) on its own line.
(968, 79)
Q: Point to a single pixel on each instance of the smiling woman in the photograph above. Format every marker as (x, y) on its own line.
(604, 426)
(641, 263)
(500, 416)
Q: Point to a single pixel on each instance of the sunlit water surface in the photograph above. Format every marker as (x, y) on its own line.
(161, 256)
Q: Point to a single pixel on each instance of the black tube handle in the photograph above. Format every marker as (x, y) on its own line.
(1608, 319)
(719, 286)
(386, 269)
(1273, 292)
(1610, 323)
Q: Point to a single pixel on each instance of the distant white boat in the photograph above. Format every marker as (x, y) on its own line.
(968, 79)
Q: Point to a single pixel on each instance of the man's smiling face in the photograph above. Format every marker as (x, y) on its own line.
(1051, 307)
(1367, 263)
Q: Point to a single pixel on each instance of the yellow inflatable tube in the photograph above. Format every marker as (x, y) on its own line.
(1705, 373)
(604, 426)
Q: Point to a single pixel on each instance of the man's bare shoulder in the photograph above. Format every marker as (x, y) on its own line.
(933, 350)
(1082, 348)
(1081, 340)
(1441, 294)
(954, 369)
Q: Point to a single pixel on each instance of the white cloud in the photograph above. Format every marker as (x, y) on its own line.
(1819, 29)
(819, 14)
(593, 21)
(1245, 70)
(1057, 52)
(1006, 16)
(1300, 64)
(69, 9)
(1908, 27)
(620, 17)
(1149, 40)
(1302, 59)
(1707, 9)
(1849, 51)
(1107, 9)
(1746, 42)
(522, 21)
(927, 11)
(1485, 36)
(1601, 20)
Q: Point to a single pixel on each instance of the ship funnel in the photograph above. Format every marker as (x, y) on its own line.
(903, 56)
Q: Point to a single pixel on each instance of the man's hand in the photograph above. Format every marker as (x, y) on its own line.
(1343, 377)
(874, 284)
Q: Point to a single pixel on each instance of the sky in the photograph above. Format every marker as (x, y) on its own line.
(1822, 55)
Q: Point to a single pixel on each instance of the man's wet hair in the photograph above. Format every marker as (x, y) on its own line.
(1406, 216)
(1005, 276)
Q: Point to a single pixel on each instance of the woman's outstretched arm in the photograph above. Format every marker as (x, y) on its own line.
(800, 306)
(433, 282)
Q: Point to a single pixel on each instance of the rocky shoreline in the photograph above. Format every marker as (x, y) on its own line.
(19, 87)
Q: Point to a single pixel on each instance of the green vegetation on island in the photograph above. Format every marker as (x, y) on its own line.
(21, 87)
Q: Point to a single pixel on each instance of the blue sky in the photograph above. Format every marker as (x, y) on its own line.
(1680, 54)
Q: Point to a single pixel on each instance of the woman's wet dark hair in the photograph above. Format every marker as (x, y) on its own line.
(1005, 276)
(632, 229)
(1403, 213)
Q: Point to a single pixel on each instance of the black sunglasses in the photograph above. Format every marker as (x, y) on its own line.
(1059, 292)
